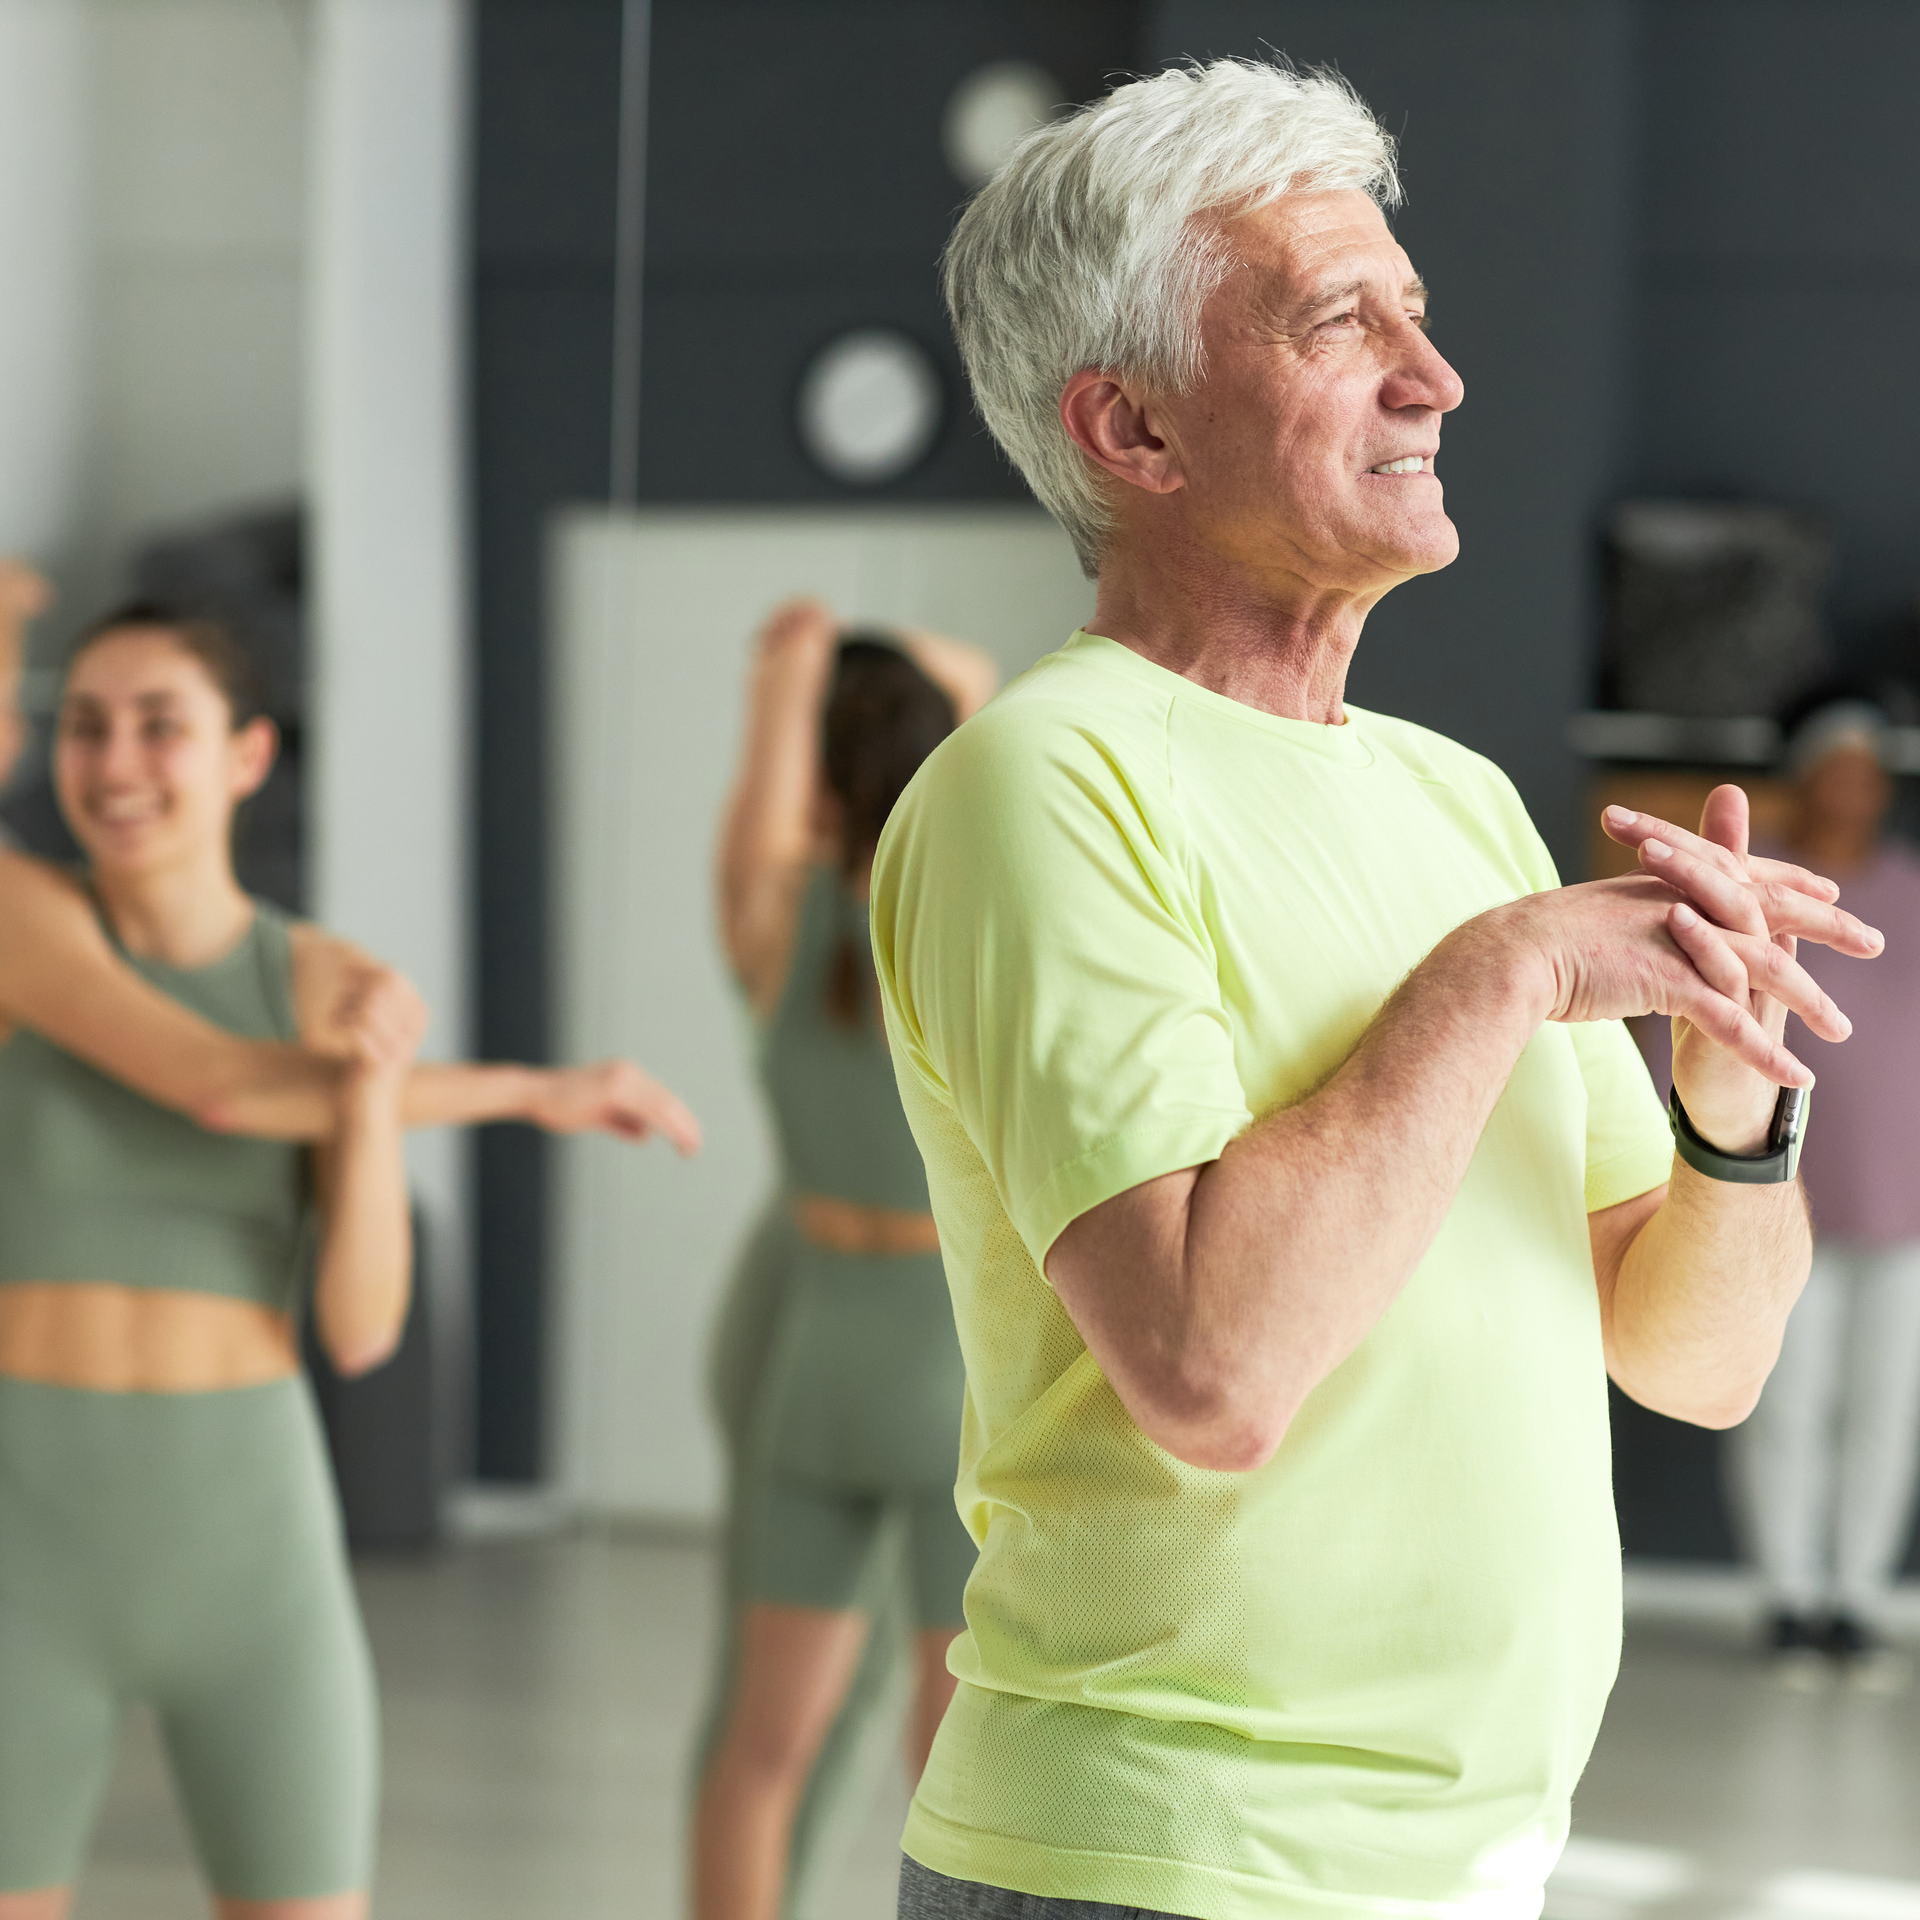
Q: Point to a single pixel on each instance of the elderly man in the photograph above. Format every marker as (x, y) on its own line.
(1297, 1185)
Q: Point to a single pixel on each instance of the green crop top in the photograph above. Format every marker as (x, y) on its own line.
(836, 1107)
(99, 1183)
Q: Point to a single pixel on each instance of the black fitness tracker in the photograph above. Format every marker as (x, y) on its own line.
(1778, 1164)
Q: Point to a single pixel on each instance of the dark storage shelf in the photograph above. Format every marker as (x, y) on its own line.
(1676, 740)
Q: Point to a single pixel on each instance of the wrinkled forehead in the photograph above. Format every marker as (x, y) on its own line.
(1306, 247)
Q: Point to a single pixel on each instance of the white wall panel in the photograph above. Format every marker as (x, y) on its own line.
(195, 126)
(41, 143)
(652, 626)
(389, 698)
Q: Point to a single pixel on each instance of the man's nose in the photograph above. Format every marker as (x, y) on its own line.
(1422, 377)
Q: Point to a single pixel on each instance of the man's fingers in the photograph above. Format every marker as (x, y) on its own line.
(1728, 902)
(1739, 1032)
(1784, 873)
(1636, 829)
(1712, 955)
(1790, 911)
(1765, 907)
(1737, 964)
(1726, 818)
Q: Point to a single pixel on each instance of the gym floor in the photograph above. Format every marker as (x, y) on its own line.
(540, 1696)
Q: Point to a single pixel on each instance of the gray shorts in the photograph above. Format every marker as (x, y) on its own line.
(926, 1895)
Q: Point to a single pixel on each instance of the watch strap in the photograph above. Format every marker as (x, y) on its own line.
(1775, 1167)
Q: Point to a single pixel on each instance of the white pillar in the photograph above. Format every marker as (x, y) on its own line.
(40, 256)
(389, 694)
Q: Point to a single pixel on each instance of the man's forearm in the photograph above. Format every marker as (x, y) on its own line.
(1286, 1251)
(1694, 1314)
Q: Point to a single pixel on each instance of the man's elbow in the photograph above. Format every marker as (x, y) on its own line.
(1218, 1426)
(1713, 1404)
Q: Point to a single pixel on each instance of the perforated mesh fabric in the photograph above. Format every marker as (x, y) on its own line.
(1115, 917)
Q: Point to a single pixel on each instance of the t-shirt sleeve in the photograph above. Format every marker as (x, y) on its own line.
(1045, 970)
(1629, 1144)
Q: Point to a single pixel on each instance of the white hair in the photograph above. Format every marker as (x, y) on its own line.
(1086, 249)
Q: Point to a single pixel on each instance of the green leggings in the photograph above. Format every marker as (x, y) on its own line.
(182, 1550)
(753, 1317)
(857, 1429)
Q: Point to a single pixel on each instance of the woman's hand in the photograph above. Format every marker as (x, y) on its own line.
(381, 1020)
(803, 627)
(24, 594)
(611, 1096)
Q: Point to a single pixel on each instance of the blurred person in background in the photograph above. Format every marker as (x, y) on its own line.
(1824, 1469)
(837, 1371)
(169, 1531)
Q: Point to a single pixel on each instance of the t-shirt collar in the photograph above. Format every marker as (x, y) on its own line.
(1346, 743)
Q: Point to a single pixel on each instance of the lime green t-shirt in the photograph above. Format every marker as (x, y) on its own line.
(1116, 918)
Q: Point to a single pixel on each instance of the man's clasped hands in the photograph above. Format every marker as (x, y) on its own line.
(1725, 968)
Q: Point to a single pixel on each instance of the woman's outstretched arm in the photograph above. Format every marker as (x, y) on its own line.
(340, 992)
(770, 837)
(61, 977)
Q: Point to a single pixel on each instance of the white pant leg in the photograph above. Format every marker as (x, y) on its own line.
(1782, 1456)
(1879, 1423)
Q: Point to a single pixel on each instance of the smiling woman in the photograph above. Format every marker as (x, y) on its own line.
(168, 1526)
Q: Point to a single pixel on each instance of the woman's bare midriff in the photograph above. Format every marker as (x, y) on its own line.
(846, 1228)
(115, 1339)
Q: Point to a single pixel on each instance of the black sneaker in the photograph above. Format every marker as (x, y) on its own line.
(1797, 1652)
(1865, 1661)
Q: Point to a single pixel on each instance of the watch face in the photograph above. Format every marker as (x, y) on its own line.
(870, 406)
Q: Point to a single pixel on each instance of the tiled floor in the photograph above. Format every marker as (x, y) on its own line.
(539, 1697)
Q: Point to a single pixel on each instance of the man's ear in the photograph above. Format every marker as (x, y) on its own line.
(255, 748)
(1116, 429)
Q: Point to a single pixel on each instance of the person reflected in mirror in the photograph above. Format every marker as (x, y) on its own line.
(169, 1531)
(838, 1370)
(24, 595)
(1824, 1469)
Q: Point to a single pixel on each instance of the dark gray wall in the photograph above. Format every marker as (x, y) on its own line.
(1516, 123)
(796, 188)
(1780, 271)
(1777, 324)
(546, 135)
